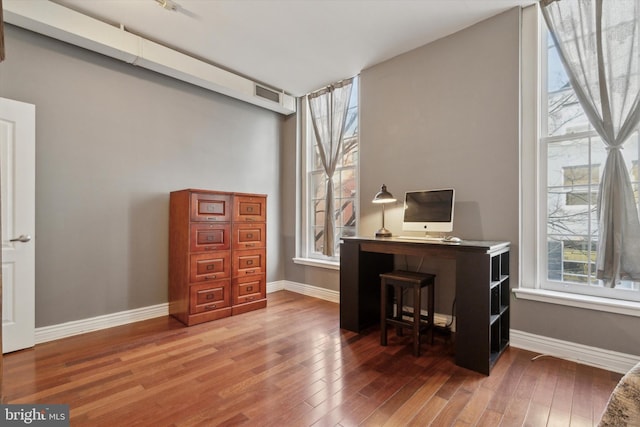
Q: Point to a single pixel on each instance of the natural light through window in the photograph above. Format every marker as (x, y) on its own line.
(345, 188)
(574, 156)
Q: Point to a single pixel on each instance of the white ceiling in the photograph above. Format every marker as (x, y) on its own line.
(294, 45)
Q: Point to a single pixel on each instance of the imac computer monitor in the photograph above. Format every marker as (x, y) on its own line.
(429, 211)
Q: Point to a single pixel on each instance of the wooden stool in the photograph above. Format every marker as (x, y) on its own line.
(401, 280)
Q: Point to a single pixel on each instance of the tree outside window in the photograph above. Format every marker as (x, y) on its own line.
(574, 153)
(345, 185)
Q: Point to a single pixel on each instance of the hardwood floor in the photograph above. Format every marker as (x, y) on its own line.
(291, 365)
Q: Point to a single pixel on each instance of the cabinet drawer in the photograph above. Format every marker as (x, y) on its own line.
(210, 266)
(250, 209)
(210, 207)
(247, 289)
(209, 296)
(249, 262)
(249, 236)
(209, 237)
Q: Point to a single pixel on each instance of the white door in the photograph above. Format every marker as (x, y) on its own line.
(17, 179)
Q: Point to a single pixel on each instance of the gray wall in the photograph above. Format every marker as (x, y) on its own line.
(446, 115)
(112, 141)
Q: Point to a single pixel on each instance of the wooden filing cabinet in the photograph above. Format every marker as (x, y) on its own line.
(249, 253)
(217, 254)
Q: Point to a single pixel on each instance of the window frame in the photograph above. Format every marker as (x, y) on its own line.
(304, 253)
(533, 258)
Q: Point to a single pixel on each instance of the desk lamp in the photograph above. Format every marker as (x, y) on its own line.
(383, 197)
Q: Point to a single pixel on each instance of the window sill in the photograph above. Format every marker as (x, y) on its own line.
(610, 305)
(331, 265)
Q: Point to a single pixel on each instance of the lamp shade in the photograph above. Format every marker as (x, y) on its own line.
(383, 196)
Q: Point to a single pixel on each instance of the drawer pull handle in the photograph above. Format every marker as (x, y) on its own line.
(210, 277)
(210, 267)
(249, 219)
(209, 248)
(209, 307)
(249, 262)
(249, 288)
(250, 209)
(212, 218)
(249, 235)
(210, 296)
(250, 271)
(250, 245)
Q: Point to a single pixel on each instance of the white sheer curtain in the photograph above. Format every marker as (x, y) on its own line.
(328, 108)
(598, 44)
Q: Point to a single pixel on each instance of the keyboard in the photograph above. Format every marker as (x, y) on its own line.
(424, 238)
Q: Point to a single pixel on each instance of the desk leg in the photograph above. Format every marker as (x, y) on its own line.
(384, 308)
(472, 307)
(360, 286)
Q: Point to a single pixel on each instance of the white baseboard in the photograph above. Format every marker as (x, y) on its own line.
(586, 355)
(309, 290)
(276, 286)
(592, 356)
(77, 327)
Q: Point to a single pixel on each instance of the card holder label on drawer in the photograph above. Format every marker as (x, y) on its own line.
(209, 296)
(249, 236)
(250, 208)
(210, 266)
(249, 262)
(210, 207)
(252, 287)
(210, 237)
(246, 289)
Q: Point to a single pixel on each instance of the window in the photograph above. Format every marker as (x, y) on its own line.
(572, 158)
(313, 188)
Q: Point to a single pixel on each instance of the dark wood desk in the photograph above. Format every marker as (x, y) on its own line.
(482, 290)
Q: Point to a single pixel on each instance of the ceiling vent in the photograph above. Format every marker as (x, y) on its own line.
(265, 93)
(59, 22)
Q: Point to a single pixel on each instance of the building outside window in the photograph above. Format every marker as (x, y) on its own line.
(580, 181)
(345, 189)
(573, 157)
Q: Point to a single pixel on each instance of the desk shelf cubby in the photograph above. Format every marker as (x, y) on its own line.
(483, 330)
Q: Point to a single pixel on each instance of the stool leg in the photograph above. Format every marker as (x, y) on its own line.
(399, 305)
(432, 309)
(383, 312)
(416, 320)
